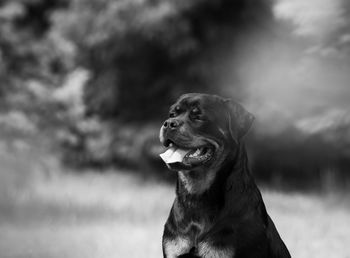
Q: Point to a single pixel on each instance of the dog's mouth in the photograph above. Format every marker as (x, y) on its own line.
(186, 157)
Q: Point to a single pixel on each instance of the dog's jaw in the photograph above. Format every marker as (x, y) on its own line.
(197, 180)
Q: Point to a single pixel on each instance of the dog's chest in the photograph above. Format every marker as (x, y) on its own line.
(193, 219)
(195, 240)
(196, 235)
(194, 229)
(194, 223)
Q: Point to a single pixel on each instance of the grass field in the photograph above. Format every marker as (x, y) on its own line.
(45, 213)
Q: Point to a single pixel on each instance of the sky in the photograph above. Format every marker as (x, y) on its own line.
(316, 18)
(302, 76)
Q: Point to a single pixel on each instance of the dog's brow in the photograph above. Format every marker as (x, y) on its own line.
(177, 104)
(190, 102)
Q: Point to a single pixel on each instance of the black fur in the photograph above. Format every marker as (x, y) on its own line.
(230, 214)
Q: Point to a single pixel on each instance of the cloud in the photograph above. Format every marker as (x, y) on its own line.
(331, 119)
(317, 18)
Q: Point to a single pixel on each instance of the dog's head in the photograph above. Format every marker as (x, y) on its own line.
(201, 131)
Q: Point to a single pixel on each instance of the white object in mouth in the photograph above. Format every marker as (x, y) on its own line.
(174, 154)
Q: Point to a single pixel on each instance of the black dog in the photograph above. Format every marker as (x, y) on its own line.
(218, 210)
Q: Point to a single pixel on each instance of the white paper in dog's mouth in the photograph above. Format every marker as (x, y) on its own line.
(174, 154)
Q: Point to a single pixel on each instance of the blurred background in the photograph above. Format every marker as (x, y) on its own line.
(85, 85)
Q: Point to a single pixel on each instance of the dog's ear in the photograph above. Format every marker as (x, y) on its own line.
(239, 119)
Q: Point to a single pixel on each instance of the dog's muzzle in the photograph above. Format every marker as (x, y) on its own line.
(184, 156)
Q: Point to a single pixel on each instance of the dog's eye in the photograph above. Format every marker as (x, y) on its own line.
(195, 112)
(175, 111)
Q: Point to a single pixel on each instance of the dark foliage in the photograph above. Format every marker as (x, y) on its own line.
(156, 50)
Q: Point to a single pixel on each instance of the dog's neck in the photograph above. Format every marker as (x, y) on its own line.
(233, 175)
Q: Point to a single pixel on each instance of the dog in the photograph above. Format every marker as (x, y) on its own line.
(218, 210)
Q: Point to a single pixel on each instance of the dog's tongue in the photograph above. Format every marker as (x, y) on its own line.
(173, 154)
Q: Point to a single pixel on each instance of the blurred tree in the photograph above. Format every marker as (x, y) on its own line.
(27, 50)
(143, 54)
(34, 62)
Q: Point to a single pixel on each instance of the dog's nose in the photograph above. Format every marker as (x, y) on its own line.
(172, 123)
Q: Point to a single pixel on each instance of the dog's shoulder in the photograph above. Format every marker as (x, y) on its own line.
(277, 247)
